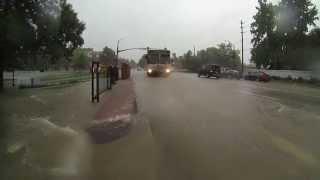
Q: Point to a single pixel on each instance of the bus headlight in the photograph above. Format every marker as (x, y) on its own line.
(149, 70)
(168, 70)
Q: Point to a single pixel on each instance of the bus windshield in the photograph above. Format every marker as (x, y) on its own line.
(158, 57)
(164, 59)
(153, 59)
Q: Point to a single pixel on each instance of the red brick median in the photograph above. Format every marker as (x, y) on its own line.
(113, 119)
(120, 101)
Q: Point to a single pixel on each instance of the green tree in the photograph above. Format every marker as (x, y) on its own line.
(71, 29)
(296, 16)
(49, 28)
(311, 52)
(108, 56)
(17, 34)
(264, 34)
(60, 33)
(314, 37)
(224, 54)
(80, 59)
(227, 55)
(294, 21)
(264, 22)
(280, 33)
(188, 61)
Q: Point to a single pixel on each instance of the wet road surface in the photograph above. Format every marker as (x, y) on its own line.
(198, 128)
(187, 128)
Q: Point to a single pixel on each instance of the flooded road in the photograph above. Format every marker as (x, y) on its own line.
(44, 133)
(224, 129)
(186, 128)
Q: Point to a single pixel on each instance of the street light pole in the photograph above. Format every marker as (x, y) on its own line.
(117, 56)
(242, 68)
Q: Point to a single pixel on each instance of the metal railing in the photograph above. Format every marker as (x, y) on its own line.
(101, 80)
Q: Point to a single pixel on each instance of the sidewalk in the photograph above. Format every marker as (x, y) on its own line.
(113, 119)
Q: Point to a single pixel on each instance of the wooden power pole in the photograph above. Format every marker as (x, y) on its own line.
(242, 68)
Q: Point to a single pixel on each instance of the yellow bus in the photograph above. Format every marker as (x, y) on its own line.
(158, 63)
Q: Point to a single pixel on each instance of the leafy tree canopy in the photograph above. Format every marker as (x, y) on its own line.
(31, 28)
(107, 56)
(223, 54)
(281, 35)
(80, 59)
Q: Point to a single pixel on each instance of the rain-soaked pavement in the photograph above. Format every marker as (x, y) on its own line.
(187, 128)
(226, 129)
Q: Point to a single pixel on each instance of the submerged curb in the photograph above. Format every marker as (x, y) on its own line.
(113, 120)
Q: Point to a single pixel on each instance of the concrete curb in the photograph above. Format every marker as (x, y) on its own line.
(113, 120)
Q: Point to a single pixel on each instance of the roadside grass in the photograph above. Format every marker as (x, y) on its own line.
(59, 78)
(67, 80)
(64, 75)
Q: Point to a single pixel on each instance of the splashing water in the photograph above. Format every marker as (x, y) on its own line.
(58, 151)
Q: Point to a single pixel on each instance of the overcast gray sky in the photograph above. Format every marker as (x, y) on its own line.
(175, 24)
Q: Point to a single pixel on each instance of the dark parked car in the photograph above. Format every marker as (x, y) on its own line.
(210, 70)
(257, 76)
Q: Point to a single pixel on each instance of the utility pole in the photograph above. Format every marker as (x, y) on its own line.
(117, 55)
(194, 50)
(242, 48)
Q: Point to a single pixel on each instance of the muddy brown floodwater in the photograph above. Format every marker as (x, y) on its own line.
(193, 128)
